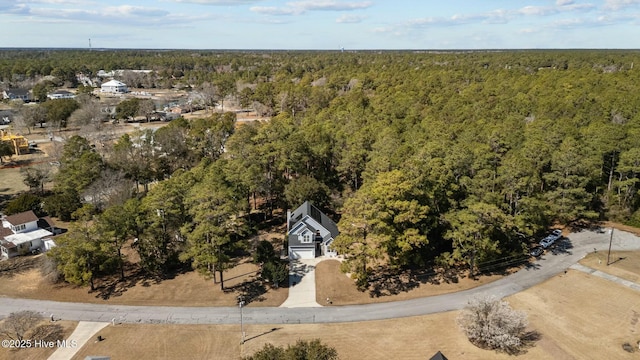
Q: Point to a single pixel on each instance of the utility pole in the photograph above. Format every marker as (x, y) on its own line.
(241, 305)
(610, 241)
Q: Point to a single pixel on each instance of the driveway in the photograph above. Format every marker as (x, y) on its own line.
(302, 283)
(567, 252)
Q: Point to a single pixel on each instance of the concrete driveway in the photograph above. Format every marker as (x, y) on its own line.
(302, 283)
(567, 252)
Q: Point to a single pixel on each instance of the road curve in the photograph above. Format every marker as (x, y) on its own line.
(569, 251)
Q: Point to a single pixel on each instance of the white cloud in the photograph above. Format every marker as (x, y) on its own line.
(350, 19)
(620, 4)
(328, 5)
(272, 10)
(134, 11)
(217, 2)
(301, 7)
(564, 2)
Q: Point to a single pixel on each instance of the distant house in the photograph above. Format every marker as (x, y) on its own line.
(23, 233)
(61, 94)
(114, 87)
(310, 233)
(16, 94)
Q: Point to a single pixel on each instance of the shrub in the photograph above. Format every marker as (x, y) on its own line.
(492, 324)
(302, 350)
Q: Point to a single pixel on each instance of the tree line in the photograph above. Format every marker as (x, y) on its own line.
(453, 159)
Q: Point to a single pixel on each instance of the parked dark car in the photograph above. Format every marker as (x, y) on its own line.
(537, 251)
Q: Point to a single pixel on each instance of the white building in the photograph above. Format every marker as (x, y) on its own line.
(114, 87)
(22, 233)
(61, 94)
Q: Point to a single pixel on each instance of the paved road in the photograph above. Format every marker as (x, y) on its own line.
(553, 262)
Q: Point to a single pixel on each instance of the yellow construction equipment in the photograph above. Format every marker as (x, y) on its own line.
(19, 143)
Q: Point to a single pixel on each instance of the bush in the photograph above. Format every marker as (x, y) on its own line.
(490, 323)
(302, 350)
(275, 271)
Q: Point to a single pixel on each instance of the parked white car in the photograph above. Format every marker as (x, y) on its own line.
(551, 238)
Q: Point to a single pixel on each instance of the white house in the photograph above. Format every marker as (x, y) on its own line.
(22, 233)
(61, 94)
(114, 87)
(310, 233)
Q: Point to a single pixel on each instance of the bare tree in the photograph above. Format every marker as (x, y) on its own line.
(36, 176)
(146, 108)
(491, 323)
(19, 323)
(32, 115)
(111, 188)
(89, 115)
(209, 94)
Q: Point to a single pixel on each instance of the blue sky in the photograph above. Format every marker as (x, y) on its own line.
(321, 24)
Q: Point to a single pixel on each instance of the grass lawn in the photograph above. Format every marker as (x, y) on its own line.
(624, 264)
(341, 290)
(184, 289)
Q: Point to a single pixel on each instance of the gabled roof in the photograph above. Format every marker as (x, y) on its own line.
(21, 218)
(17, 91)
(114, 83)
(308, 209)
(438, 356)
(5, 232)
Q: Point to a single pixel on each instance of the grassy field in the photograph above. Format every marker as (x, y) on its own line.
(340, 289)
(624, 264)
(578, 317)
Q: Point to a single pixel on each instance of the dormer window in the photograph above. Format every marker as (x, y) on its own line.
(18, 228)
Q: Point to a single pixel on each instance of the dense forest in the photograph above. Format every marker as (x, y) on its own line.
(447, 159)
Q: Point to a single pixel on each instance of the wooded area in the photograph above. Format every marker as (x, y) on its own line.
(451, 159)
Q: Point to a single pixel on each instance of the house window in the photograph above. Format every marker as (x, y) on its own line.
(19, 227)
(306, 237)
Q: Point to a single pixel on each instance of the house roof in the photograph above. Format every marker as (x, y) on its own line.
(21, 218)
(16, 91)
(308, 209)
(438, 356)
(22, 238)
(7, 244)
(61, 92)
(5, 232)
(114, 83)
(308, 217)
